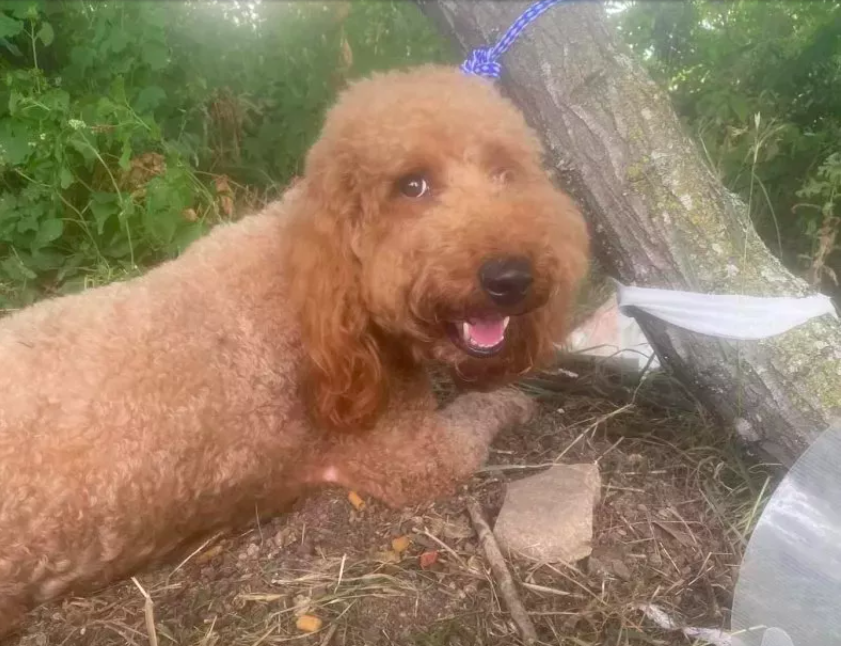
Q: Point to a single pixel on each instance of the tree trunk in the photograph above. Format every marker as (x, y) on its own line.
(658, 215)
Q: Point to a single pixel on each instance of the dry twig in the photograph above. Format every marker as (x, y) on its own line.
(149, 613)
(507, 589)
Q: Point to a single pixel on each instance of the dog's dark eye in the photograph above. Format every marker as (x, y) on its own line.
(413, 186)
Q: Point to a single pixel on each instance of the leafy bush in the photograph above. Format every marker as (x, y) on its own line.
(757, 82)
(128, 128)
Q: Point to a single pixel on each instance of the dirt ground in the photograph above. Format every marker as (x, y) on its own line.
(678, 499)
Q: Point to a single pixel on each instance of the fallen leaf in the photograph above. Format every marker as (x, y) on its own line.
(389, 556)
(208, 554)
(227, 204)
(681, 537)
(428, 559)
(221, 183)
(308, 623)
(401, 544)
(356, 500)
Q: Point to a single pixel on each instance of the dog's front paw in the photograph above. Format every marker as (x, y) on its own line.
(501, 408)
(518, 408)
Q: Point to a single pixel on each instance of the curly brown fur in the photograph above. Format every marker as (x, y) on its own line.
(288, 350)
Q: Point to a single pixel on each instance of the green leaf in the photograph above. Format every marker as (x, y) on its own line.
(155, 55)
(46, 34)
(149, 99)
(56, 100)
(27, 222)
(66, 177)
(9, 27)
(14, 142)
(47, 260)
(32, 11)
(186, 235)
(155, 14)
(11, 47)
(118, 92)
(118, 41)
(82, 57)
(120, 247)
(17, 270)
(80, 145)
(69, 265)
(8, 206)
(161, 224)
(104, 206)
(48, 231)
(125, 157)
(739, 105)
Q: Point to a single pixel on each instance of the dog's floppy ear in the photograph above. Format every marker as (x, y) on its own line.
(345, 381)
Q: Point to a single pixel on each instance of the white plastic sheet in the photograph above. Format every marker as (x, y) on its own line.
(726, 316)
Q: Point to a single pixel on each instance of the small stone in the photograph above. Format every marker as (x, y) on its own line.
(548, 517)
(621, 570)
(609, 563)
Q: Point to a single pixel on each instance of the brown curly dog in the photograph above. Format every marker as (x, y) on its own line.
(289, 350)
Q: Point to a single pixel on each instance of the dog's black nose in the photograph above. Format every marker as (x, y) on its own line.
(506, 280)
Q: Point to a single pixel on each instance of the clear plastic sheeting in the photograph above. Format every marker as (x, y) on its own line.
(617, 338)
(789, 588)
(776, 637)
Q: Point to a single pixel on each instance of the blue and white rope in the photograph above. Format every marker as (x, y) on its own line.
(484, 61)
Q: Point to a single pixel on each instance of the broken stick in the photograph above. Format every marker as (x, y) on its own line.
(149, 613)
(507, 588)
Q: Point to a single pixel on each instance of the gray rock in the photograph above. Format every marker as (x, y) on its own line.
(548, 517)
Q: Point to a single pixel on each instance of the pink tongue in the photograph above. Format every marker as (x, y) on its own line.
(487, 332)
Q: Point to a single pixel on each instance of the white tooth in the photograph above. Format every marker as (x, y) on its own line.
(505, 322)
(465, 331)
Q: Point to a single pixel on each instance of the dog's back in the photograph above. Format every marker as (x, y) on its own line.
(132, 416)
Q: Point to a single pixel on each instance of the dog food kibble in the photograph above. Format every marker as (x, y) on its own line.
(308, 623)
(401, 544)
(356, 501)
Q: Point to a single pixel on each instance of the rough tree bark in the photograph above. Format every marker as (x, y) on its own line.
(659, 216)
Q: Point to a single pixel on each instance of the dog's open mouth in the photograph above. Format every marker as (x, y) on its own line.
(481, 337)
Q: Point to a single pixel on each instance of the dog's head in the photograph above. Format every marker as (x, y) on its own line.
(427, 230)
